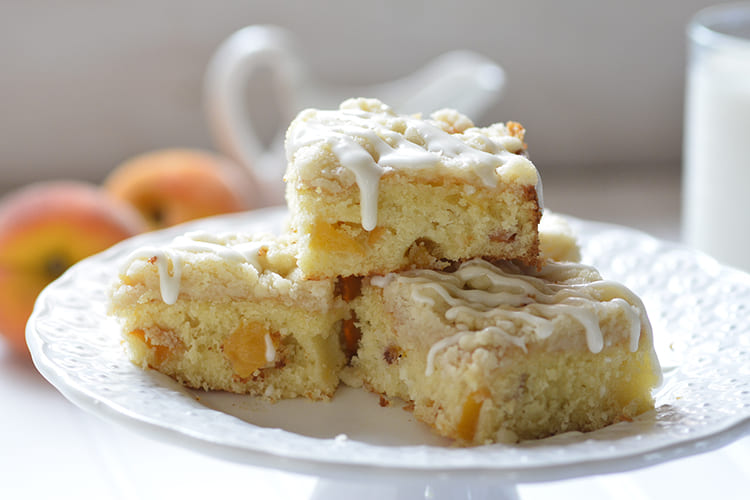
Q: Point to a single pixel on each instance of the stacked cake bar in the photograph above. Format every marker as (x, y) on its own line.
(413, 265)
(370, 191)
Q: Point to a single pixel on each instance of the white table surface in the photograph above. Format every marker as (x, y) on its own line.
(51, 449)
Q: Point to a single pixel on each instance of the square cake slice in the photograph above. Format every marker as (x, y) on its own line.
(231, 312)
(499, 353)
(370, 191)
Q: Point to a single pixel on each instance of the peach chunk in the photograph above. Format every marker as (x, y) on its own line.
(159, 353)
(247, 349)
(467, 424)
(350, 336)
(328, 237)
(349, 287)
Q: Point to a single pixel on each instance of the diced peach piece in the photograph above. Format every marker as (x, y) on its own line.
(350, 335)
(349, 287)
(328, 237)
(467, 424)
(160, 353)
(246, 349)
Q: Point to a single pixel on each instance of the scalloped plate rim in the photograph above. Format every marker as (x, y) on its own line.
(161, 430)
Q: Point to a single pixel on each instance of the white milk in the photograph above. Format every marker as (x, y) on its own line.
(716, 154)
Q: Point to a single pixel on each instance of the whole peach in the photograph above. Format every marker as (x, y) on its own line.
(44, 229)
(171, 186)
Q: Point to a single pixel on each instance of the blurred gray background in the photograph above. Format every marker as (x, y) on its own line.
(85, 84)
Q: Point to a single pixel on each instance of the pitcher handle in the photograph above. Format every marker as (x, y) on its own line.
(234, 64)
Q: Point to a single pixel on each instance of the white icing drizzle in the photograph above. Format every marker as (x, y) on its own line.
(367, 144)
(270, 349)
(169, 282)
(456, 338)
(168, 259)
(479, 291)
(367, 173)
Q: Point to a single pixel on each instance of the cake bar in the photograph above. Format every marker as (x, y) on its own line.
(370, 191)
(496, 352)
(231, 312)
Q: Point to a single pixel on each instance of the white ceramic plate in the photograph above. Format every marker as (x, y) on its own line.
(698, 308)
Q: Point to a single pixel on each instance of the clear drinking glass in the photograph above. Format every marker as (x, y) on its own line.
(716, 148)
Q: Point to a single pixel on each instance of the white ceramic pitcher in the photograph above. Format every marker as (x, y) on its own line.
(462, 80)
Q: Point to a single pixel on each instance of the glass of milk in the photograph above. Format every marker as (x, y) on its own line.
(716, 148)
